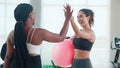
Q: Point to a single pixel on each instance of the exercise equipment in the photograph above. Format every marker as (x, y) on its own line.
(115, 45)
(62, 53)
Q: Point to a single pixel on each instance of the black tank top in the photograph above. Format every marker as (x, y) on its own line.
(82, 44)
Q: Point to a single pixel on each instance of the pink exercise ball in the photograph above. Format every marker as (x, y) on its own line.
(63, 53)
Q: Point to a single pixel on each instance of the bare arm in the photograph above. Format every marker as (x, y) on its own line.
(79, 33)
(64, 29)
(68, 15)
(9, 51)
(53, 37)
(50, 36)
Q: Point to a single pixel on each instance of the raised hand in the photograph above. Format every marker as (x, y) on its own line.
(67, 11)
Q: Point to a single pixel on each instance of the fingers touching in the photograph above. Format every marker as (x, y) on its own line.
(67, 11)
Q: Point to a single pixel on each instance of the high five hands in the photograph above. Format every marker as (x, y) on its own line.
(67, 11)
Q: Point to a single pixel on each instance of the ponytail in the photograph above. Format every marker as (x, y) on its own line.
(91, 21)
(21, 52)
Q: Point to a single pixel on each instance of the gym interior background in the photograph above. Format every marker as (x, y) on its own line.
(49, 13)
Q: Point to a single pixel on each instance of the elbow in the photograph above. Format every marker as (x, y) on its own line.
(61, 39)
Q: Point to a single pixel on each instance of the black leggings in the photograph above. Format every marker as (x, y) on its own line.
(81, 63)
(33, 62)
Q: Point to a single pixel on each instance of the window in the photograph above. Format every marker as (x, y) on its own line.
(7, 16)
(52, 14)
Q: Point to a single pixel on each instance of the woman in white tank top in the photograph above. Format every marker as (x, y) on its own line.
(27, 39)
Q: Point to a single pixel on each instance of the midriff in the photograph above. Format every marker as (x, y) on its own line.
(81, 54)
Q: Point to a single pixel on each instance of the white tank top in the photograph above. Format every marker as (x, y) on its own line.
(32, 49)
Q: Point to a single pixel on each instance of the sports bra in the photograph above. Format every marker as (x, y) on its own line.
(82, 44)
(32, 49)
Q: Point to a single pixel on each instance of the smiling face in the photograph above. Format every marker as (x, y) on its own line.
(82, 18)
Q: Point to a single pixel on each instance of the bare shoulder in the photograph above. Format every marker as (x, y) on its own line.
(10, 38)
(11, 34)
(39, 29)
(42, 31)
(92, 34)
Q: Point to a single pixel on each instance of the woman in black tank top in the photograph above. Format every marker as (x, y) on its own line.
(83, 39)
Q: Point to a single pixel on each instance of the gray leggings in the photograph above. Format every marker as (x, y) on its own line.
(81, 63)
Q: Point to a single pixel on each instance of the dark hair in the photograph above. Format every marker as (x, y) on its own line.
(21, 13)
(90, 13)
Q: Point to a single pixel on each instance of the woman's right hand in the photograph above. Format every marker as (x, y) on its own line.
(67, 11)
